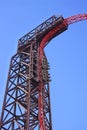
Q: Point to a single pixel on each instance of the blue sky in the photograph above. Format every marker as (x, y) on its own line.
(67, 55)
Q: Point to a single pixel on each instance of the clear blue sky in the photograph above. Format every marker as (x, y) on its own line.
(67, 55)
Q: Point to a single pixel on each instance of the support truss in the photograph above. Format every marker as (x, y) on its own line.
(26, 103)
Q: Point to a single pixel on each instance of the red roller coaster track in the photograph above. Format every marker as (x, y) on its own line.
(45, 40)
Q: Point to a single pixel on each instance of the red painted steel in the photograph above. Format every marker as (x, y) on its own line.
(45, 40)
(42, 45)
(76, 18)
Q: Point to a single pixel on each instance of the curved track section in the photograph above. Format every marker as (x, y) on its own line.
(76, 18)
(45, 40)
(67, 21)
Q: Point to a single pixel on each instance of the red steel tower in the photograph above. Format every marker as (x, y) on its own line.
(26, 103)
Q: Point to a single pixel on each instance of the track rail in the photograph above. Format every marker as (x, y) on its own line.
(45, 40)
(76, 18)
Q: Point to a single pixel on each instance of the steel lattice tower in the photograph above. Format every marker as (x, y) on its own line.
(26, 103)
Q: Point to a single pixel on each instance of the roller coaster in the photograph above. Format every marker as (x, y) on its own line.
(26, 103)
